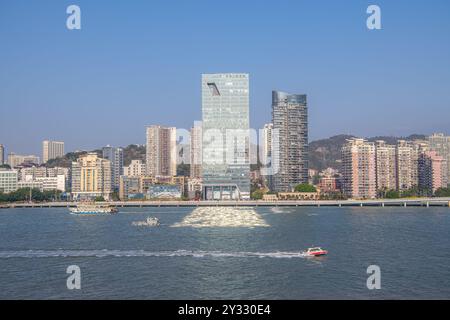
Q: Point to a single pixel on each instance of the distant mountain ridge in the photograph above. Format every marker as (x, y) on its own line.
(326, 153)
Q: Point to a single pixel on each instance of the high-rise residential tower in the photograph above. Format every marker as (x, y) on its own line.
(52, 150)
(91, 177)
(406, 163)
(386, 170)
(115, 156)
(432, 172)
(358, 169)
(290, 120)
(161, 157)
(441, 144)
(226, 138)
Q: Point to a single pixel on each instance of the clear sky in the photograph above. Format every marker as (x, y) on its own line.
(136, 63)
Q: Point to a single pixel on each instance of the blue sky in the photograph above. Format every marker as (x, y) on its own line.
(136, 63)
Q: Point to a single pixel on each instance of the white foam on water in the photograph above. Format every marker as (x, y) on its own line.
(142, 253)
(205, 217)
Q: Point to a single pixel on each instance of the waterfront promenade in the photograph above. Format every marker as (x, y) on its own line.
(416, 202)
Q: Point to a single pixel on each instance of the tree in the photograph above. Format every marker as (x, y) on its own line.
(442, 192)
(305, 187)
(257, 194)
(99, 199)
(392, 194)
(23, 194)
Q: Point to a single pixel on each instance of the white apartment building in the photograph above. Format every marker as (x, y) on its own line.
(161, 157)
(135, 169)
(8, 180)
(52, 150)
(386, 169)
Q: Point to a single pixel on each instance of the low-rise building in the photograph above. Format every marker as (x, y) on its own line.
(8, 180)
(135, 169)
(130, 188)
(164, 191)
(298, 195)
(53, 183)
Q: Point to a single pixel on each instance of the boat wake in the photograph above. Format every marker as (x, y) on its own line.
(142, 253)
(222, 217)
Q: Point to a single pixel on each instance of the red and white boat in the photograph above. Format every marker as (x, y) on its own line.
(316, 252)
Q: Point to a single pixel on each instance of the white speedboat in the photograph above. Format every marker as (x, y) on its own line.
(149, 222)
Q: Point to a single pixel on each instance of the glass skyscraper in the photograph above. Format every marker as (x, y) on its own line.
(115, 156)
(225, 126)
(290, 120)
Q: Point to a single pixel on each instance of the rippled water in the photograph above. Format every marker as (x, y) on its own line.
(229, 253)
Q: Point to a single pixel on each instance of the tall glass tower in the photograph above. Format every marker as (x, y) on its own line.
(225, 126)
(290, 119)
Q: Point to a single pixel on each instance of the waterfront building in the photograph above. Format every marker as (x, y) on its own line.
(135, 169)
(56, 171)
(52, 150)
(161, 153)
(432, 171)
(33, 172)
(298, 196)
(406, 161)
(359, 169)
(43, 183)
(290, 119)
(8, 180)
(91, 177)
(15, 160)
(226, 138)
(441, 144)
(329, 181)
(130, 188)
(328, 184)
(2, 155)
(194, 188)
(196, 151)
(53, 183)
(386, 169)
(145, 182)
(163, 191)
(115, 156)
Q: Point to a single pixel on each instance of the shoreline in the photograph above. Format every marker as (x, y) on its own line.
(417, 202)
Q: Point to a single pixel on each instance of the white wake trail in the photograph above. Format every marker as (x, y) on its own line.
(142, 253)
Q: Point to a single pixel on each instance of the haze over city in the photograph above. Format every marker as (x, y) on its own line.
(132, 66)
